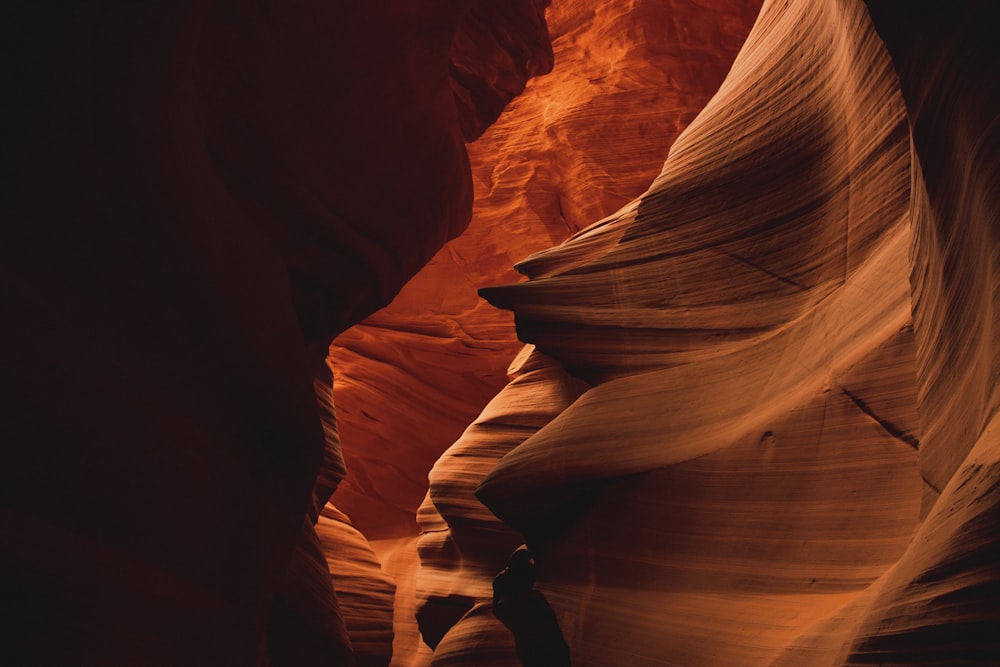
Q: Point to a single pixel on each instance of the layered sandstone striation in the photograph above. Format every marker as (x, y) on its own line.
(788, 454)
(365, 593)
(462, 545)
(580, 143)
(939, 602)
(758, 421)
(413, 376)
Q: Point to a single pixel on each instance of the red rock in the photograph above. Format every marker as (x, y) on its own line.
(202, 195)
(780, 446)
(748, 482)
(462, 545)
(365, 593)
(578, 145)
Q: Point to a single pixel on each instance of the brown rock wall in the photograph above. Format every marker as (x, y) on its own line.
(743, 481)
(689, 315)
(365, 594)
(939, 602)
(781, 469)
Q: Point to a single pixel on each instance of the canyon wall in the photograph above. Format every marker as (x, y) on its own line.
(787, 455)
(756, 421)
(580, 143)
(198, 196)
(414, 375)
(939, 603)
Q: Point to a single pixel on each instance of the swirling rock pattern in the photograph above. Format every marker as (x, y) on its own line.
(690, 293)
(463, 546)
(748, 481)
(364, 592)
(938, 604)
(414, 375)
(772, 464)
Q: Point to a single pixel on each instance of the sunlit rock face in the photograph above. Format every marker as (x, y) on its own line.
(579, 143)
(463, 545)
(788, 455)
(939, 603)
(200, 196)
(727, 480)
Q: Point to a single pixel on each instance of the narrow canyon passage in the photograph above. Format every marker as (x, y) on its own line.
(680, 313)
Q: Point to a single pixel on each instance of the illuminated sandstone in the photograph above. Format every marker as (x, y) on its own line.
(580, 143)
(747, 481)
(759, 425)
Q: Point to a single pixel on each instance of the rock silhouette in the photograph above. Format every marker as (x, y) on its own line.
(537, 637)
(199, 195)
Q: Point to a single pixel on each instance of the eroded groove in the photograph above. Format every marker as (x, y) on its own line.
(889, 427)
(930, 484)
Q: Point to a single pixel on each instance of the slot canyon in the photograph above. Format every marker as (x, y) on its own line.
(481, 333)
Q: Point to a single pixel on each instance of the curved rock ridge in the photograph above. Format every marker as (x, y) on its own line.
(305, 622)
(939, 603)
(746, 481)
(414, 375)
(692, 294)
(479, 639)
(463, 546)
(364, 592)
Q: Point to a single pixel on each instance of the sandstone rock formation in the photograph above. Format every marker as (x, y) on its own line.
(414, 375)
(463, 546)
(364, 592)
(200, 195)
(939, 603)
(758, 423)
(579, 144)
(748, 480)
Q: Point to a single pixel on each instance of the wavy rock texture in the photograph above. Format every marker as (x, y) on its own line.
(200, 196)
(762, 330)
(939, 603)
(463, 546)
(748, 481)
(579, 144)
(649, 65)
(364, 593)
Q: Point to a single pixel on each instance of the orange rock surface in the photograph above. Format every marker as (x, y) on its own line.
(365, 593)
(576, 146)
(780, 448)
(788, 454)
(462, 545)
(756, 419)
